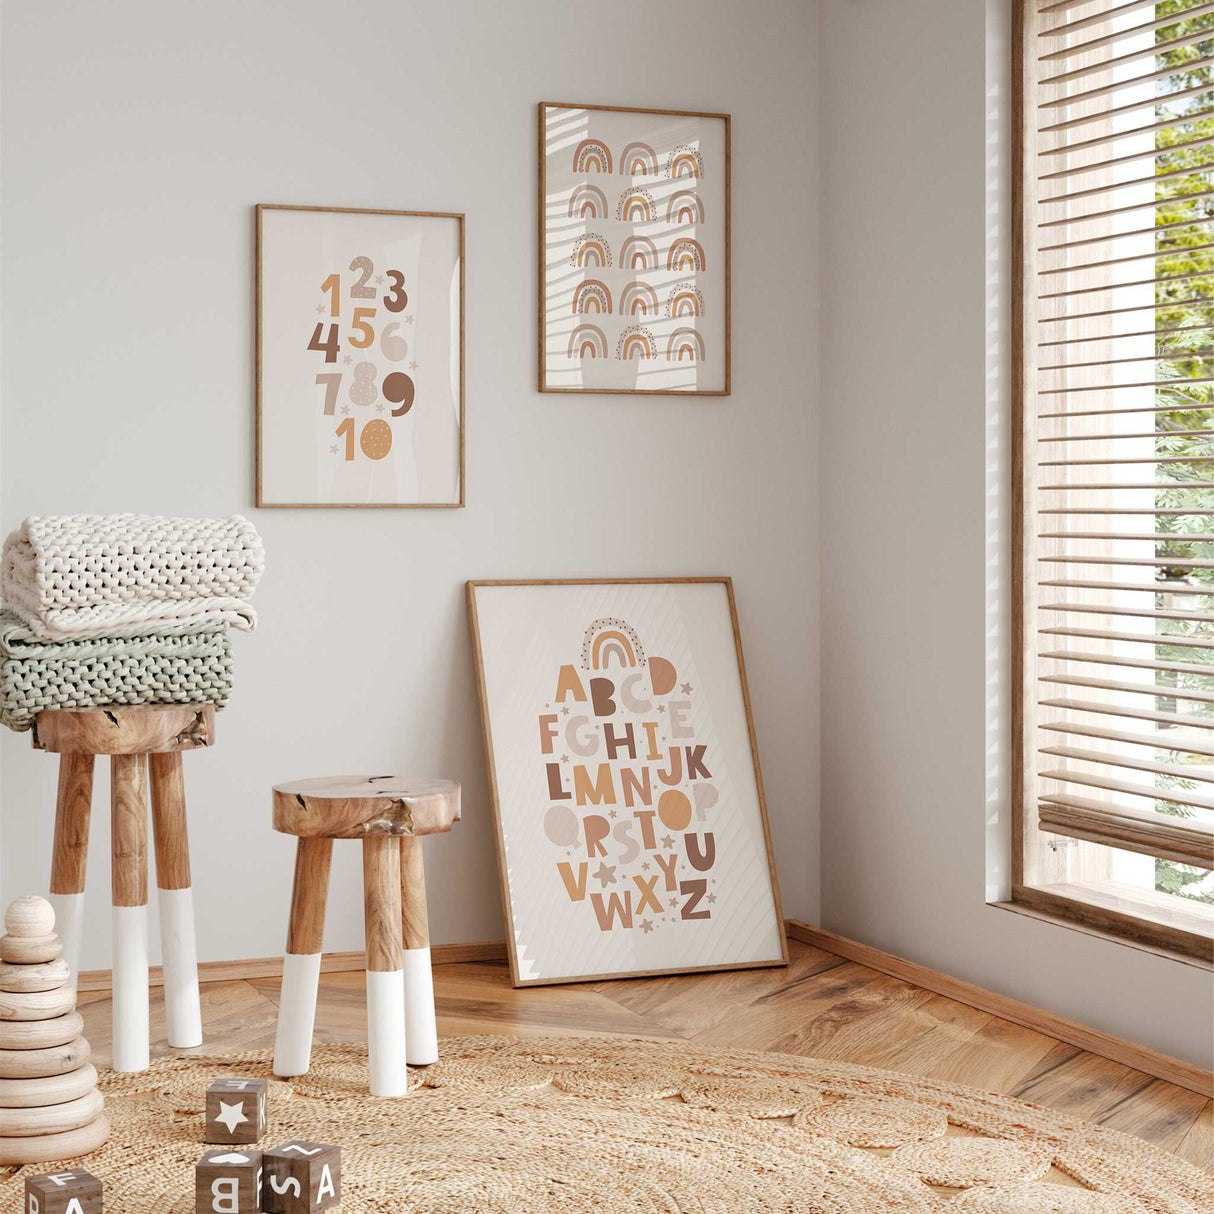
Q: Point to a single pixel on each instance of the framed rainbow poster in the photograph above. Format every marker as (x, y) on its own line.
(360, 357)
(631, 827)
(634, 250)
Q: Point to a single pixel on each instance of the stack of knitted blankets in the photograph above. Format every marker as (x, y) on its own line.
(122, 609)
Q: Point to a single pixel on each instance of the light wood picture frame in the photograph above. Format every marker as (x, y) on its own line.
(631, 824)
(359, 358)
(634, 250)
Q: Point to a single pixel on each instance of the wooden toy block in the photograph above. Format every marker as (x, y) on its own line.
(302, 1177)
(228, 1182)
(236, 1110)
(63, 1192)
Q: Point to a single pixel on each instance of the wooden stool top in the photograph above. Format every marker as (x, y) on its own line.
(152, 730)
(352, 807)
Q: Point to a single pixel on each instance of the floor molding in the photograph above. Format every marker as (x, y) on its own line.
(271, 967)
(1095, 1041)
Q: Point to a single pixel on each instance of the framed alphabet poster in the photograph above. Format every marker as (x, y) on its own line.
(631, 827)
(360, 357)
(634, 250)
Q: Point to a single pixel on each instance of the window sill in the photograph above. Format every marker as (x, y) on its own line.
(1123, 915)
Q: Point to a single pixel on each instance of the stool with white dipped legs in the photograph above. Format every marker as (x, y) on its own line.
(389, 814)
(136, 740)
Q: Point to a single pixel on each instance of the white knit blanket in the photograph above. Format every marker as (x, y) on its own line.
(70, 576)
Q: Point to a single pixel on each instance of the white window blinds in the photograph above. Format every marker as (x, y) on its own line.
(1116, 452)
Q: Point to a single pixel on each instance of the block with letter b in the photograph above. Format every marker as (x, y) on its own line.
(236, 1110)
(301, 1177)
(68, 1191)
(228, 1182)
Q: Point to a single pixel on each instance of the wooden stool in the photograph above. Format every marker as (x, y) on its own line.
(389, 814)
(136, 739)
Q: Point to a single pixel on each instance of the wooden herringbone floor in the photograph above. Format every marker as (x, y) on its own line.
(820, 1005)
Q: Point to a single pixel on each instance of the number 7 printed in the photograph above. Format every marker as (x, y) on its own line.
(331, 384)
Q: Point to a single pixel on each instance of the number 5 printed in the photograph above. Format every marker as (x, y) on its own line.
(363, 325)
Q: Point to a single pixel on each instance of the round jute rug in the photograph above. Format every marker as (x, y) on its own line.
(607, 1125)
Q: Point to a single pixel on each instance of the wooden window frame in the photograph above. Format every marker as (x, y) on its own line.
(1106, 912)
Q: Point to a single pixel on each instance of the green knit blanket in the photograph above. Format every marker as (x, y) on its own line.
(185, 668)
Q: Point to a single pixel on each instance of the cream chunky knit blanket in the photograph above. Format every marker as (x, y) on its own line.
(71, 576)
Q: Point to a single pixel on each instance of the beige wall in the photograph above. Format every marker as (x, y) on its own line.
(914, 515)
(136, 138)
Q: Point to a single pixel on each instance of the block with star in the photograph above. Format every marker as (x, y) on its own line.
(236, 1110)
(302, 1177)
(67, 1191)
(228, 1182)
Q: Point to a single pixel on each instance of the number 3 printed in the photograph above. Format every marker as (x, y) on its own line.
(398, 300)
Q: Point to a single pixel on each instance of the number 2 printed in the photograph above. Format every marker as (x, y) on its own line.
(360, 290)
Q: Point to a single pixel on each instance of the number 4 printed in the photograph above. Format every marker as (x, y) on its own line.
(330, 345)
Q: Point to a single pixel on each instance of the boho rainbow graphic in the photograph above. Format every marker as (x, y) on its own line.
(639, 299)
(685, 207)
(587, 341)
(636, 342)
(639, 160)
(685, 343)
(591, 249)
(639, 253)
(592, 155)
(685, 300)
(686, 254)
(587, 202)
(635, 205)
(684, 161)
(608, 637)
(591, 296)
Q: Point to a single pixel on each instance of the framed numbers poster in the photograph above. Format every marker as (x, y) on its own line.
(360, 361)
(634, 250)
(631, 826)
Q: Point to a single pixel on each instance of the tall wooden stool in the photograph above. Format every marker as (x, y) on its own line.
(389, 814)
(136, 739)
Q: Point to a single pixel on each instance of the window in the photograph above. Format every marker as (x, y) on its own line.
(1114, 497)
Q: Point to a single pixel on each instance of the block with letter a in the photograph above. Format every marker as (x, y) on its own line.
(228, 1182)
(68, 1191)
(302, 1177)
